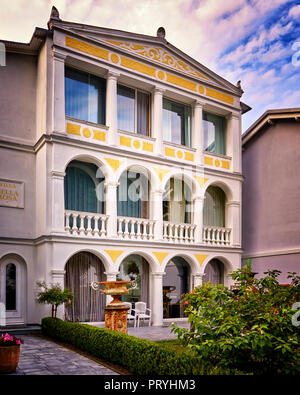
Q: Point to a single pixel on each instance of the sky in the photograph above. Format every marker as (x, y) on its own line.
(255, 41)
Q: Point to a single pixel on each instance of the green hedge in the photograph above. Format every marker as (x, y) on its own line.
(138, 356)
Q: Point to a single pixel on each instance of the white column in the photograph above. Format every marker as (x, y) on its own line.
(198, 202)
(58, 202)
(110, 277)
(58, 87)
(198, 278)
(233, 221)
(111, 107)
(157, 130)
(58, 277)
(111, 207)
(197, 132)
(157, 300)
(234, 141)
(157, 213)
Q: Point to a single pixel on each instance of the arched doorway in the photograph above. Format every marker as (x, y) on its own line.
(214, 272)
(13, 287)
(135, 268)
(177, 201)
(176, 282)
(88, 305)
(214, 207)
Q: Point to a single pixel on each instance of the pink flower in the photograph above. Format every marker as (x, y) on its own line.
(18, 341)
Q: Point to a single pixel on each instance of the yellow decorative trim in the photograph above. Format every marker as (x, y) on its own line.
(201, 89)
(136, 144)
(147, 146)
(161, 172)
(182, 82)
(219, 96)
(86, 132)
(179, 154)
(126, 141)
(87, 48)
(138, 66)
(159, 55)
(188, 156)
(200, 258)
(225, 164)
(161, 75)
(114, 58)
(201, 180)
(170, 152)
(99, 135)
(114, 254)
(217, 163)
(113, 163)
(73, 129)
(208, 160)
(160, 256)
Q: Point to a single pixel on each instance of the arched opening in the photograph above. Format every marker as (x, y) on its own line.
(11, 287)
(177, 201)
(176, 282)
(214, 272)
(88, 305)
(135, 268)
(214, 207)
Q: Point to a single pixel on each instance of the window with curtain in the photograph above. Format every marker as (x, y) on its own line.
(133, 110)
(85, 96)
(11, 287)
(132, 195)
(214, 207)
(177, 202)
(214, 133)
(176, 123)
(83, 191)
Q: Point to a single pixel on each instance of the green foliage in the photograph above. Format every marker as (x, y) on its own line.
(249, 328)
(138, 356)
(54, 296)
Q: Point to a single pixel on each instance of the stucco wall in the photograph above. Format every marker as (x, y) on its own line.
(18, 97)
(271, 190)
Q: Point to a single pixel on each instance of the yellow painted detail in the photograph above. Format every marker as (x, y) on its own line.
(73, 129)
(87, 48)
(138, 66)
(126, 141)
(179, 154)
(99, 135)
(113, 163)
(225, 164)
(170, 152)
(161, 172)
(188, 156)
(137, 144)
(147, 146)
(114, 58)
(200, 258)
(217, 163)
(208, 160)
(201, 180)
(219, 95)
(161, 75)
(114, 254)
(86, 132)
(201, 89)
(160, 256)
(182, 82)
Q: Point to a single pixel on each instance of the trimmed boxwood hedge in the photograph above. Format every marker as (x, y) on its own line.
(138, 356)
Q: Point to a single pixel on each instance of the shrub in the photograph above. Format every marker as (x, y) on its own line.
(250, 328)
(54, 296)
(139, 356)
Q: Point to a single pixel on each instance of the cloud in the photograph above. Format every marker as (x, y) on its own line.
(294, 12)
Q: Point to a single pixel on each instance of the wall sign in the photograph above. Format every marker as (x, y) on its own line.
(11, 193)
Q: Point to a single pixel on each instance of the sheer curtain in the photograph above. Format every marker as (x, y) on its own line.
(143, 101)
(214, 272)
(214, 207)
(88, 305)
(214, 133)
(126, 108)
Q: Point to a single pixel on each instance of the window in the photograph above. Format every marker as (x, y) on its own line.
(214, 207)
(84, 96)
(214, 133)
(11, 277)
(133, 110)
(176, 123)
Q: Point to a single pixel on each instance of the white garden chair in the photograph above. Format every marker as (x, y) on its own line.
(130, 315)
(140, 309)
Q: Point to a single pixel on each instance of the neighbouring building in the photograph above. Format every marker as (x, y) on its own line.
(271, 192)
(120, 158)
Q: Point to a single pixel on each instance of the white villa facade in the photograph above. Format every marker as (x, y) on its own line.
(120, 158)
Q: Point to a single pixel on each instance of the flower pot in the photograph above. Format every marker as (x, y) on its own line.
(9, 358)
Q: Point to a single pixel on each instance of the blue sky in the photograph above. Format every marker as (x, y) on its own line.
(247, 40)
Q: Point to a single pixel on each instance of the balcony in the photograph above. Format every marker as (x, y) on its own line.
(79, 223)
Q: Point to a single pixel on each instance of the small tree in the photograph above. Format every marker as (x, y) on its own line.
(53, 295)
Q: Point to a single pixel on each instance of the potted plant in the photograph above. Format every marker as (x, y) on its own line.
(9, 353)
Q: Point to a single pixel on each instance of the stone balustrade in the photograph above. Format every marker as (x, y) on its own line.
(216, 236)
(135, 228)
(178, 232)
(85, 224)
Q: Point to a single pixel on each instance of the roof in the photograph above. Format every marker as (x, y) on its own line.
(268, 118)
